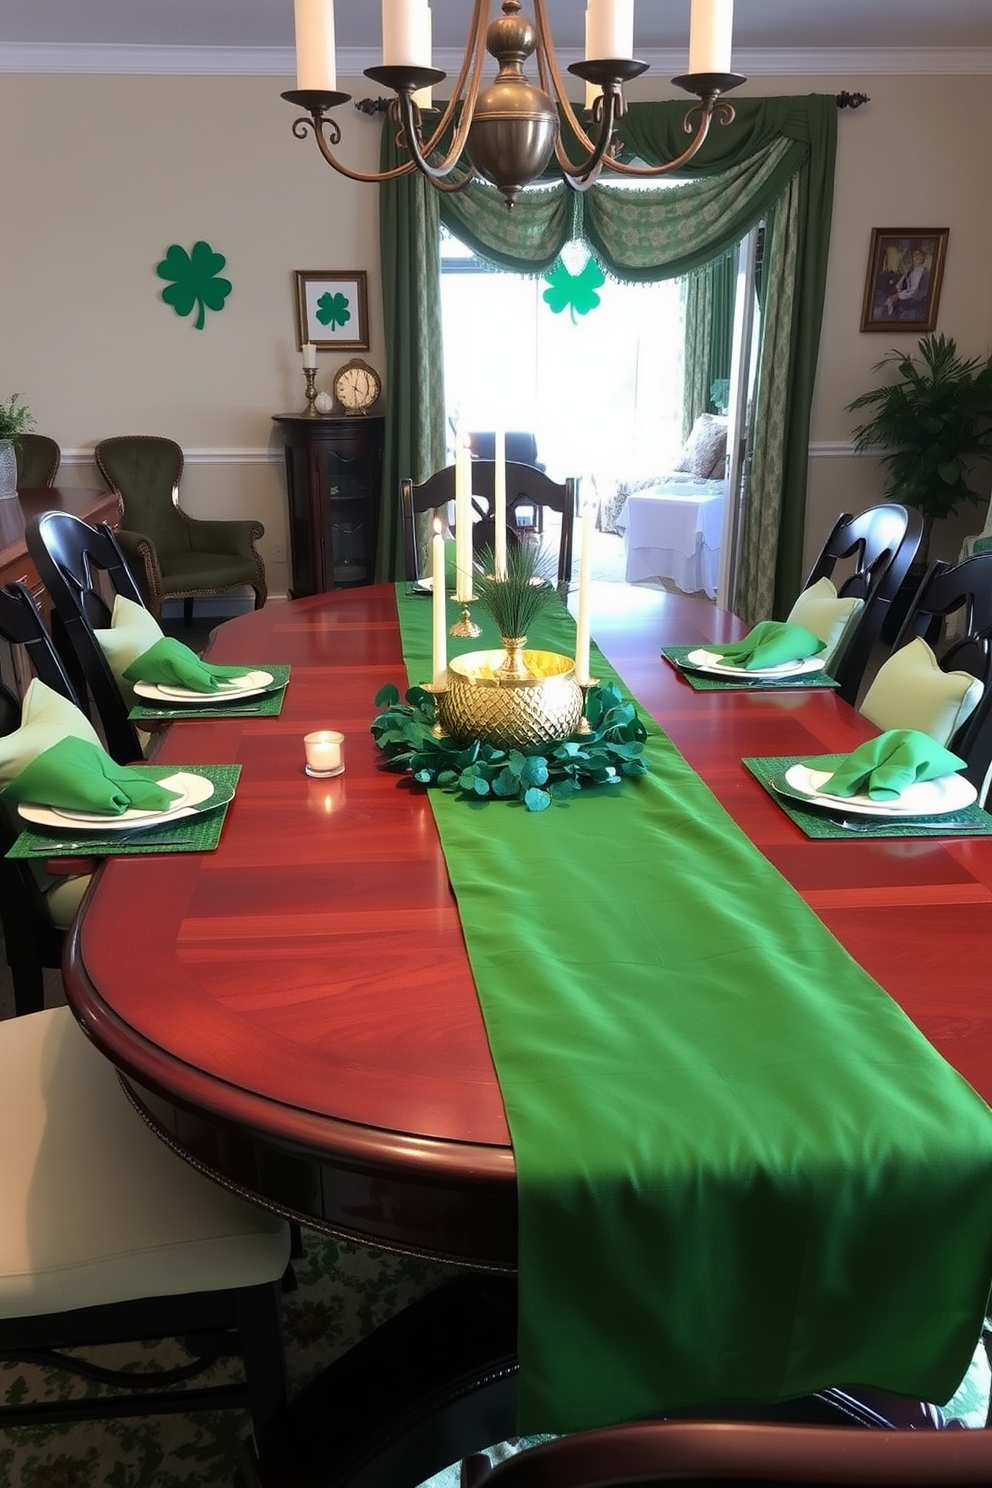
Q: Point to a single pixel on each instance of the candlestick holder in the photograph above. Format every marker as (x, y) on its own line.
(310, 373)
(437, 691)
(585, 728)
(465, 625)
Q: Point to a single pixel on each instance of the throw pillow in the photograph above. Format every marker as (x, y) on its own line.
(705, 450)
(833, 620)
(46, 717)
(911, 692)
(133, 630)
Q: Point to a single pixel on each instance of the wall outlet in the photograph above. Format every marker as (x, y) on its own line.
(278, 552)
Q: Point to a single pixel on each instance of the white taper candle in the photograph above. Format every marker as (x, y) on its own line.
(711, 31)
(609, 30)
(315, 60)
(499, 501)
(585, 598)
(438, 612)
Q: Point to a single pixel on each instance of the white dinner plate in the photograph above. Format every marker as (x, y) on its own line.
(230, 691)
(709, 661)
(925, 798)
(194, 793)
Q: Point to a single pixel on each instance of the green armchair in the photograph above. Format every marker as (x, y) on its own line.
(173, 555)
(38, 459)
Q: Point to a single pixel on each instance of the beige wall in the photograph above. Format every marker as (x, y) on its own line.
(101, 174)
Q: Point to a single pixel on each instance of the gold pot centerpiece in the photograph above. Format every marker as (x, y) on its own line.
(513, 699)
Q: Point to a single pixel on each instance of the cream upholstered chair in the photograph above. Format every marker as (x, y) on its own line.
(108, 1236)
(939, 676)
(877, 546)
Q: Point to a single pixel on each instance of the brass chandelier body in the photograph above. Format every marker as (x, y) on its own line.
(510, 130)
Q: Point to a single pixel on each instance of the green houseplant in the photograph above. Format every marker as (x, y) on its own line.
(933, 421)
(15, 419)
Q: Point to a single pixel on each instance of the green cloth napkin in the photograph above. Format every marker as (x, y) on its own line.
(78, 776)
(771, 643)
(885, 766)
(171, 662)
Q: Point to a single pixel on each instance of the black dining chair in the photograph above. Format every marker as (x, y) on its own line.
(950, 621)
(77, 563)
(527, 488)
(868, 558)
(33, 918)
(719, 1452)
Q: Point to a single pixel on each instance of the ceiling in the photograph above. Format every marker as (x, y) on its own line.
(809, 26)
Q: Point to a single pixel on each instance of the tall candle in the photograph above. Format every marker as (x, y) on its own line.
(463, 521)
(438, 615)
(316, 65)
(585, 599)
(609, 30)
(499, 501)
(711, 29)
(424, 97)
(405, 33)
(593, 90)
(309, 354)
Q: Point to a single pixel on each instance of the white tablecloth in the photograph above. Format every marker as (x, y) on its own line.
(674, 532)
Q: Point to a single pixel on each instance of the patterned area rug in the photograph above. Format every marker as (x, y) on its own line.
(343, 1293)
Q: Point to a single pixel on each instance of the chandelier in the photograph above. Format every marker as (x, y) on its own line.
(507, 132)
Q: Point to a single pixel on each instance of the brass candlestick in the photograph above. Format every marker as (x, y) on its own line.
(437, 691)
(585, 727)
(465, 625)
(310, 373)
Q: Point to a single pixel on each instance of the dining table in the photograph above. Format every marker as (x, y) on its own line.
(296, 1012)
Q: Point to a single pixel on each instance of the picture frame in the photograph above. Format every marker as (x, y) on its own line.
(905, 272)
(332, 309)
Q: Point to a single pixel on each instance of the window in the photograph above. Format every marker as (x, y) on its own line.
(602, 391)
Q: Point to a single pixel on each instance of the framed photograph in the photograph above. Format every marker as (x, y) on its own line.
(905, 269)
(332, 309)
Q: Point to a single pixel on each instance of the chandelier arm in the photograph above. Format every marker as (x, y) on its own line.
(471, 73)
(549, 72)
(319, 122)
(725, 114)
(581, 177)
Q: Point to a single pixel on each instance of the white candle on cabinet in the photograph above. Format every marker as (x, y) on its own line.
(309, 355)
(439, 617)
(499, 501)
(585, 599)
(609, 30)
(316, 66)
(711, 29)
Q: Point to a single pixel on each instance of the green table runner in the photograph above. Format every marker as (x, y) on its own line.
(742, 1172)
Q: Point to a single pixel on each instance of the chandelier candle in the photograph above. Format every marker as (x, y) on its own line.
(406, 33)
(316, 66)
(609, 30)
(711, 34)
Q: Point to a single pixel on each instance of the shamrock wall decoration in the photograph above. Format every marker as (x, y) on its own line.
(574, 292)
(195, 280)
(333, 311)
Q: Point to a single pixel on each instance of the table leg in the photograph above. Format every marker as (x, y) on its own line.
(431, 1385)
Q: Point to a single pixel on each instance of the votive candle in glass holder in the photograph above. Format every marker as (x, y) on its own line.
(325, 752)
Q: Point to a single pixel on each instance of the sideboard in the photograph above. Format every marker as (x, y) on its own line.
(333, 478)
(90, 505)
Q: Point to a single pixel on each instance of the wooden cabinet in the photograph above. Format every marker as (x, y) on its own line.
(334, 477)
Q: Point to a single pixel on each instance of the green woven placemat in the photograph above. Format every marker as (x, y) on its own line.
(263, 705)
(199, 833)
(706, 682)
(816, 822)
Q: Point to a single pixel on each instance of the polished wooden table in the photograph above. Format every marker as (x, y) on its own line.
(91, 506)
(296, 1011)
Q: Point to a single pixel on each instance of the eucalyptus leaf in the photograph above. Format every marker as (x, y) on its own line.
(537, 800)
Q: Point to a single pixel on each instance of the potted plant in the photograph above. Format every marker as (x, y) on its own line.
(933, 421)
(15, 420)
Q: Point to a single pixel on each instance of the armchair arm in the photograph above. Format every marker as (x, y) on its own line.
(142, 560)
(234, 536)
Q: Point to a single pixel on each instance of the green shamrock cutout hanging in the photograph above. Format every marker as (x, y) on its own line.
(574, 292)
(196, 281)
(332, 310)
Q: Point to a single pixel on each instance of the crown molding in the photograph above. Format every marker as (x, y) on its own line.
(178, 61)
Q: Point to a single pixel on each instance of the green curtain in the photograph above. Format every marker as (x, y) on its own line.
(411, 305)
(709, 329)
(775, 147)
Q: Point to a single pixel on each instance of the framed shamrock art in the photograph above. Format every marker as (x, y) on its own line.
(332, 309)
